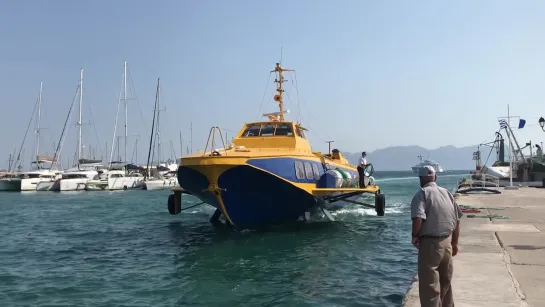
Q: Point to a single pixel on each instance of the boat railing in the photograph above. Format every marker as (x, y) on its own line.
(212, 137)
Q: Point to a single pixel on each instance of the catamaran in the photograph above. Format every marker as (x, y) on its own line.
(269, 174)
(117, 178)
(160, 179)
(27, 181)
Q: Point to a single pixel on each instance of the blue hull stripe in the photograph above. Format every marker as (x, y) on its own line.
(286, 168)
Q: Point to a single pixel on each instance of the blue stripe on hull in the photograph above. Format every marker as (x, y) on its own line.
(285, 168)
(255, 197)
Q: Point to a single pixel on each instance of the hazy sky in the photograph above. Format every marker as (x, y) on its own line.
(370, 74)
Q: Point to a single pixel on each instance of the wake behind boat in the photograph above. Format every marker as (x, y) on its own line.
(269, 174)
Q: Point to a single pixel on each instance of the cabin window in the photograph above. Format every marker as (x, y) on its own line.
(316, 171)
(308, 170)
(299, 170)
(300, 133)
(252, 130)
(267, 130)
(283, 130)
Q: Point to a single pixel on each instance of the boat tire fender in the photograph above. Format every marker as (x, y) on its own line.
(215, 153)
(380, 204)
(171, 204)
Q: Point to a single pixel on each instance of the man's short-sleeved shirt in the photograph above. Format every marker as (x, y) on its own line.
(437, 208)
(363, 161)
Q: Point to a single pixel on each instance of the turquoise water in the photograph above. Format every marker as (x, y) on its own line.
(124, 249)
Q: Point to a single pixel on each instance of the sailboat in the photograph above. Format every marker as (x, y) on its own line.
(158, 181)
(75, 178)
(27, 181)
(269, 174)
(114, 179)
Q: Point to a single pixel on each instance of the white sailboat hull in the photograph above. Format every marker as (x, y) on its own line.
(121, 183)
(160, 184)
(45, 185)
(30, 184)
(72, 184)
(125, 183)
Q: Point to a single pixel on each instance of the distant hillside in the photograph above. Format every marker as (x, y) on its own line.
(400, 158)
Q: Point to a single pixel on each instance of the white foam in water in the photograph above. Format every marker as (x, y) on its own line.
(390, 209)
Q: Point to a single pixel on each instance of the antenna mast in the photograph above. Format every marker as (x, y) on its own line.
(280, 91)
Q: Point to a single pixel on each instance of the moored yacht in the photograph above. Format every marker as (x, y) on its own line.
(115, 180)
(28, 181)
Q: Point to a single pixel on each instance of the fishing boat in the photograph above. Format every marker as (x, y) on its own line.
(269, 174)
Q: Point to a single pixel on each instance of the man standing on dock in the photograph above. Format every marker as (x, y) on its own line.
(361, 168)
(435, 232)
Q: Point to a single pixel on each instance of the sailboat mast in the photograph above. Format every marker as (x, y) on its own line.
(125, 101)
(80, 111)
(38, 125)
(158, 125)
(181, 145)
(152, 127)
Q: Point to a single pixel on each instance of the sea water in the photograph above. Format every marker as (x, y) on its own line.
(123, 249)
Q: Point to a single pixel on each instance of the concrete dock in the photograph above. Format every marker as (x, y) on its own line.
(501, 262)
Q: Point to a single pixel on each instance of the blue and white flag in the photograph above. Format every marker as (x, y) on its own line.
(503, 123)
(522, 122)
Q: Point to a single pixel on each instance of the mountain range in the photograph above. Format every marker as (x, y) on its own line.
(402, 158)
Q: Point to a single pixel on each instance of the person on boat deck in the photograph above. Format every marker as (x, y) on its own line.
(361, 168)
(435, 232)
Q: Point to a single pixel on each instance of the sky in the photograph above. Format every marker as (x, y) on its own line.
(368, 74)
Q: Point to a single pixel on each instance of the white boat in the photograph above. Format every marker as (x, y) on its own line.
(28, 181)
(163, 175)
(71, 180)
(115, 180)
(168, 181)
(436, 166)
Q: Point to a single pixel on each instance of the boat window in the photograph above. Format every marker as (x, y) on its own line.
(300, 133)
(316, 171)
(267, 130)
(283, 129)
(308, 171)
(73, 176)
(252, 130)
(116, 176)
(299, 170)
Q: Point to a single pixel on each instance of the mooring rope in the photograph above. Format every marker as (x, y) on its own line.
(193, 206)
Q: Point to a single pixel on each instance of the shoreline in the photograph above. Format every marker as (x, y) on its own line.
(501, 260)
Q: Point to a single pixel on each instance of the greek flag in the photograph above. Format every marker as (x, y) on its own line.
(503, 123)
